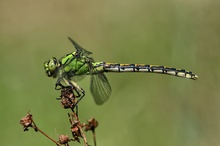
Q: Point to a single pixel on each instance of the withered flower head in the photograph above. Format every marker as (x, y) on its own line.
(91, 125)
(26, 121)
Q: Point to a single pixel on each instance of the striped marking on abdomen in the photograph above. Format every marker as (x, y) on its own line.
(116, 67)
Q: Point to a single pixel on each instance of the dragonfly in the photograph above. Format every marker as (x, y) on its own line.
(76, 65)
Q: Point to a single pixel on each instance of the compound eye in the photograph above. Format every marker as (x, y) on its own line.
(52, 64)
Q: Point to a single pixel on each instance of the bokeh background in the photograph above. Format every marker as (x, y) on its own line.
(144, 109)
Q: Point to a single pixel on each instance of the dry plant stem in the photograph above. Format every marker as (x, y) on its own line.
(68, 100)
(84, 137)
(49, 137)
(82, 133)
(91, 124)
(36, 128)
(94, 137)
(28, 122)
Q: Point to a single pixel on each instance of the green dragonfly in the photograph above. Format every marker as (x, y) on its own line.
(76, 65)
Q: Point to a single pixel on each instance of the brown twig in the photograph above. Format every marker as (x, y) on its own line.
(28, 121)
(91, 125)
(68, 101)
(76, 128)
(48, 136)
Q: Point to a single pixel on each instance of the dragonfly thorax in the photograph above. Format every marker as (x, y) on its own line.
(51, 67)
(73, 65)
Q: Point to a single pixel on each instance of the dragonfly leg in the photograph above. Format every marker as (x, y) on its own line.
(80, 98)
(76, 111)
(77, 89)
(58, 85)
(77, 92)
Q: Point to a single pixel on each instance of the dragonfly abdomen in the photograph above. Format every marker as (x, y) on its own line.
(117, 67)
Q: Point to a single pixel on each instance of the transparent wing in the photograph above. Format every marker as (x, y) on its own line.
(100, 88)
(79, 49)
(78, 78)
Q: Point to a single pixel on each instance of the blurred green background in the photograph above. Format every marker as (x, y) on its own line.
(144, 109)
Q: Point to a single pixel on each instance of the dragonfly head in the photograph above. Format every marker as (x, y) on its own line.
(51, 67)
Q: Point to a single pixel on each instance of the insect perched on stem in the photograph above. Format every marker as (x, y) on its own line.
(76, 65)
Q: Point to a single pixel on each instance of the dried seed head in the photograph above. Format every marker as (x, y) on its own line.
(67, 103)
(26, 121)
(67, 91)
(67, 97)
(63, 139)
(76, 131)
(91, 125)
